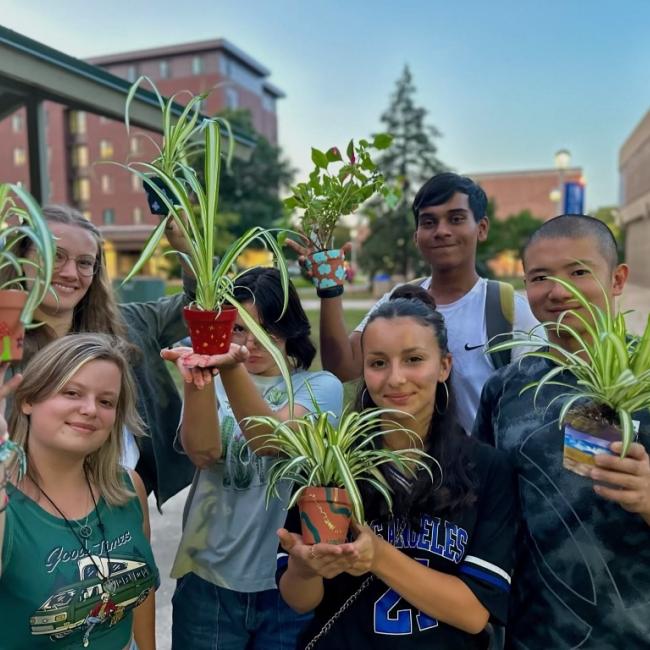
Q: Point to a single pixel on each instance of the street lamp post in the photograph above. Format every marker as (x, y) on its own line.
(562, 162)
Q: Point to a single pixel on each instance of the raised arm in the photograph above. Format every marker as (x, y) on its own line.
(199, 431)
(340, 353)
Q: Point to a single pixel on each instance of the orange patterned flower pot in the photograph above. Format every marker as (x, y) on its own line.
(12, 332)
(210, 331)
(324, 515)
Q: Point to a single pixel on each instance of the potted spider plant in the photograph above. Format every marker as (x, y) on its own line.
(612, 372)
(210, 317)
(24, 281)
(326, 459)
(336, 187)
(180, 141)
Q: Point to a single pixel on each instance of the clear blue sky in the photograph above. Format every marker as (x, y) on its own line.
(507, 82)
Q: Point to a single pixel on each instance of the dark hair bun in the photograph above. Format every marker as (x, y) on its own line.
(413, 292)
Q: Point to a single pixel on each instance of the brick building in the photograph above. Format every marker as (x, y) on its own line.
(530, 190)
(634, 215)
(79, 143)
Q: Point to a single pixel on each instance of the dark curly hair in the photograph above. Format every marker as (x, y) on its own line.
(446, 441)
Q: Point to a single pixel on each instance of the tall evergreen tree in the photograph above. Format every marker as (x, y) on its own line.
(408, 163)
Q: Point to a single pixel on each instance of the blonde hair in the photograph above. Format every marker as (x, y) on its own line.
(49, 371)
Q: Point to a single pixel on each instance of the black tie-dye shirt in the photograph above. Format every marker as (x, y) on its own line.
(582, 579)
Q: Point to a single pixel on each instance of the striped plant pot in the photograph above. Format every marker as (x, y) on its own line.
(324, 515)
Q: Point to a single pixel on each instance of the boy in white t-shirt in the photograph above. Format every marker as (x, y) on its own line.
(450, 217)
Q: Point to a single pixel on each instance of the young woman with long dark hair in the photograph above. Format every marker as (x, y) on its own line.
(226, 596)
(435, 570)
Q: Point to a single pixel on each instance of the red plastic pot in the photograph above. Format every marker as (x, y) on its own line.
(210, 331)
(324, 515)
(12, 332)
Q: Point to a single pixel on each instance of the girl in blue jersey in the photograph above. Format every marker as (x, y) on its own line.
(436, 570)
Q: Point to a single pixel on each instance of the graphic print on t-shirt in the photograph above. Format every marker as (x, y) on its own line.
(242, 467)
(90, 600)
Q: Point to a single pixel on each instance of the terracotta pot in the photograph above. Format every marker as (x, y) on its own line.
(587, 432)
(324, 515)
(12, 332)
(327, 268)
(156, 206)
(210, 331)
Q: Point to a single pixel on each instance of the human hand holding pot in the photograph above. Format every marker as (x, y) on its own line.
(193, 368)
(364, 549)
(627, 479)
(311, 560)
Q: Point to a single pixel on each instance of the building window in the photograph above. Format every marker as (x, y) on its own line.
(197, 65)
(225, 66)
(77, 122)
(164, 69)
(136, 183)
(131, 73)
(268, 103)
(20, 157)
(232, 98)
(80, 156)
(105, 149)
(108, 217)
(107, 184)
(17, 122)
(81, 190)
(137, 216)
(134, 145)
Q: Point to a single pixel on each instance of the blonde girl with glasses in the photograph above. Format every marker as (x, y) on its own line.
(82, 300)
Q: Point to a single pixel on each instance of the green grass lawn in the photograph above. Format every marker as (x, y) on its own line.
(352, 319)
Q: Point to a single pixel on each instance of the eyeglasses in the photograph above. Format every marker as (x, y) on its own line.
(240, 335)
(86, 264)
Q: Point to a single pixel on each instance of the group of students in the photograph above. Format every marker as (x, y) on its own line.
(501, 536)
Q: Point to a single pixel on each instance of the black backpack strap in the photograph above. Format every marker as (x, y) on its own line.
(499, 318)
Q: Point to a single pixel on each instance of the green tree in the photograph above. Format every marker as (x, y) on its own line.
(510, 234)
(609, 216)
(409, 162)
(251, 189)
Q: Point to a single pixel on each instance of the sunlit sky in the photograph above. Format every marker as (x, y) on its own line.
(507, 82)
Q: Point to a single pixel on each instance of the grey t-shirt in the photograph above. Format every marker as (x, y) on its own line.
(229, 536)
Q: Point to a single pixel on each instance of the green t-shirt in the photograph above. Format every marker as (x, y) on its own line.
(49, 587)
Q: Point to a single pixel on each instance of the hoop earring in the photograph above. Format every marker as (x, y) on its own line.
(444, 383)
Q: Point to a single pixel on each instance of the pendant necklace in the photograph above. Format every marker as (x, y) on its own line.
(107, 606)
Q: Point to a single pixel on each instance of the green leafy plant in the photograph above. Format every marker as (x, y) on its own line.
(338, 187)
(317, 450)
(16, 224)
(181, 135)
(612, 367)
(193, 206)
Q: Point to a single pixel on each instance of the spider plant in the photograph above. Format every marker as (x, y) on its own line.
(331, 193)
(612, 367)
(16, 224)
(194, 209)
(180, 141)
(317, 450)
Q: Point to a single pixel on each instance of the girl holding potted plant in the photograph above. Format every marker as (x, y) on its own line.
(77, 567)
(436, 569)
(226, 559)
(82, 300)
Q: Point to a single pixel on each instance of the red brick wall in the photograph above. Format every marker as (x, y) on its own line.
(518, 191)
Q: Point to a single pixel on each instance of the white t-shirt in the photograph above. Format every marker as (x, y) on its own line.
(130, 450)
(467, 338)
